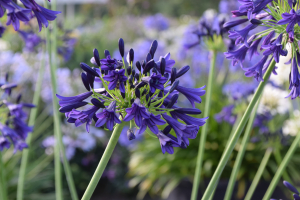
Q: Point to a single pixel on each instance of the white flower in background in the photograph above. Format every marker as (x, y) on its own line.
(273, 100)
(292, 126)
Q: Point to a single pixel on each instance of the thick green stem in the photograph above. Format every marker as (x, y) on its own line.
(278, 159)
(103, 162)
(202, 141)
(282, 167)
(33, 114)
(57, 164)
(234, 139)
(240, 155)
(258, 174)
(3, 189)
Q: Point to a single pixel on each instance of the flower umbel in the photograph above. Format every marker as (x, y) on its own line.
(145, 96)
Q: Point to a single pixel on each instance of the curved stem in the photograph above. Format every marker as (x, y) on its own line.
(240, 155)
(103, 162)
(3, 189)
(33, 115)
(282, 167)
(202, 141)
(258, 174)
(233, 141)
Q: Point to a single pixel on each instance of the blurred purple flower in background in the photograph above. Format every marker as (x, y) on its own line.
(157, 22)
(31, 40)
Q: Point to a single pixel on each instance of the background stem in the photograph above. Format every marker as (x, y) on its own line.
(33, 115)
(240, 155)
(233, 141)
(202, 141)
(103, 162)
(278, 159)
(3, 188)
(258, 174)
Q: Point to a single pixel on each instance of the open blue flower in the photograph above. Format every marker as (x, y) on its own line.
(116, 77)
(108, 116)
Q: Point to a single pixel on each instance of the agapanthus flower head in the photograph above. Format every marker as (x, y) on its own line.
(16, 13)
(13, 126)
(144, 96)
(279, 22)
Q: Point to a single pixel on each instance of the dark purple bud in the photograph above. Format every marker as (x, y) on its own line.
(19, 98)
(97, 57)
(190, 111)
(173, 75)
(130, 134)
(88, 69)
(121, 47)
(162, 66)
(137, 93)
(149, 66)
(172, 101)
(123, 95)
(137, 77)
(174, 86)
(138, 65)
(85, 81)
(267, 40)
(290, 187)
(143, 64)
(182, 71)
(167, 129)
(69, 108)
(106, 53)
(141, 84)
(97, 103)
(129, 70)
(91, 79)
(131, 55)
(153, 48)
(255, 21)
(160, 94)
(132, 100)
(133, 72)
(149, 57)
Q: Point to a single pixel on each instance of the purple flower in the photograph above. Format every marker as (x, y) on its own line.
(2, 28)
(4, 143)
(257, 70)
(183, 132)
(31, 40)
(115, 77)
(192, 94)
(138, 112)
(275, 48)
(16, 13)
(241, 35)
(42, 14)
(155, 81)
(238, 90)
(226, 115)
(69, 103)
(237, 55)
(181, 113)
(167, 142)
(294, 79)
(81, 117)
(108, 116)
(151, 123)
(169, 63)
(109, 63)
(291, 19)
